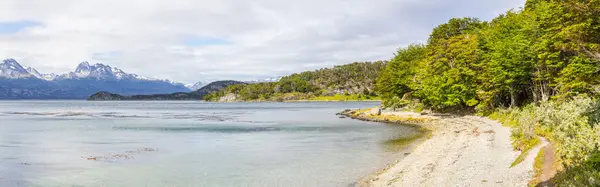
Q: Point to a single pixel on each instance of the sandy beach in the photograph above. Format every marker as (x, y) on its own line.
(461, 151)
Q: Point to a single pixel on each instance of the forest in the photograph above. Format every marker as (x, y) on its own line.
(355, 81)
(535, 69)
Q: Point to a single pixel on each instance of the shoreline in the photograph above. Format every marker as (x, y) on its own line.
(458, 151)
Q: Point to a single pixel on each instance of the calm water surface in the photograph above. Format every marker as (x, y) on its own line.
(78, 143)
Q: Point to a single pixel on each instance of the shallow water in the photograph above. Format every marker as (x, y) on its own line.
(79, 143)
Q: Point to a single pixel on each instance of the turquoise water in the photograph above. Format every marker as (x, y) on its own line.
(79, 143)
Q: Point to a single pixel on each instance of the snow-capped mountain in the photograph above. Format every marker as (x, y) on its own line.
(99, 71)
(35, 73)
(272, 79)
(196, 86)
(10, 68)
(18, 82)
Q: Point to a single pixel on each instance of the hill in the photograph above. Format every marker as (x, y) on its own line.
(356, 80)
(195, 95)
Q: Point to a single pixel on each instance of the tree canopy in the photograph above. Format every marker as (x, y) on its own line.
(548, 50)
(357, 79)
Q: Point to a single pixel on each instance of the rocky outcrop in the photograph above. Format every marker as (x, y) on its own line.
(105, 96)
(229, 98)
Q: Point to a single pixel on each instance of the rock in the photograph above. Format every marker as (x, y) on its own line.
(375, 111)
(230, 97)
(426, 112)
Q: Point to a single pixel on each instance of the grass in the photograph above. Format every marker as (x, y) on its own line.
(524, 128)
(527, 146)
(398, 143)
(401, 143)
(538, 167)
(400, 119)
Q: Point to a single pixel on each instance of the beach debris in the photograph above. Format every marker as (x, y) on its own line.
(476, 131)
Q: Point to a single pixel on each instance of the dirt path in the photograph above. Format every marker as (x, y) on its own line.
(548, 168)
(463, 151)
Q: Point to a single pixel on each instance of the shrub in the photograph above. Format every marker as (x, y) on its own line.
(572, 125)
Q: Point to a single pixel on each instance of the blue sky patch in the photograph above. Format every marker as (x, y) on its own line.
(204, 41)
(12, 27)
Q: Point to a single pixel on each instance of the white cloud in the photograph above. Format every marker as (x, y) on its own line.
(264, 38)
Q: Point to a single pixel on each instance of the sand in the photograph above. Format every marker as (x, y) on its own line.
(462, 151)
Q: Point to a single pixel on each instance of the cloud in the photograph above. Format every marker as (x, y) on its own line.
(204, 41)
(192, 40)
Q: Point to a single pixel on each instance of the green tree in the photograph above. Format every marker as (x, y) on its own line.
(447, 75)
(398, 77)
(507, 61)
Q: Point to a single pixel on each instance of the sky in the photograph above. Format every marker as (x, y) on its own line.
(207, 40)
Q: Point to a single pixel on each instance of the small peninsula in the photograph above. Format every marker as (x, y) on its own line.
(195, 95)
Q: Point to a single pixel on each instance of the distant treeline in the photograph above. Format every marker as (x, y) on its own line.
(358, 78)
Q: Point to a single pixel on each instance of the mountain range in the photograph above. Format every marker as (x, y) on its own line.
(20, 82)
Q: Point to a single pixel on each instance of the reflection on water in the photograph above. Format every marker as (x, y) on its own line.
(77, 143)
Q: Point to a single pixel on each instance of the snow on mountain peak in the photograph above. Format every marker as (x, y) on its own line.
(84, 64)
(98, 71)
(196, 86)
(33, 72)
(271, 79)
(10, 68)
(83, 69)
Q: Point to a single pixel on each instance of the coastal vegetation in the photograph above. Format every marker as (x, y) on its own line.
(355, 81)
(537, 70)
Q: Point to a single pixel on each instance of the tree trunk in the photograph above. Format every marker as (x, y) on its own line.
(513, 99)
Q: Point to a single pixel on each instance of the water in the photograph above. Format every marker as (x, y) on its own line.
(78, 143)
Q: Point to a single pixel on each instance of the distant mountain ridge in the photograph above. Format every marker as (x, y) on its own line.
(271, 79)
(10, 68)
(19, 82)
(194, 95)
(197, 85)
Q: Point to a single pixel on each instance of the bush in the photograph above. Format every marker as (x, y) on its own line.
(395, 103)
(572, 125)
